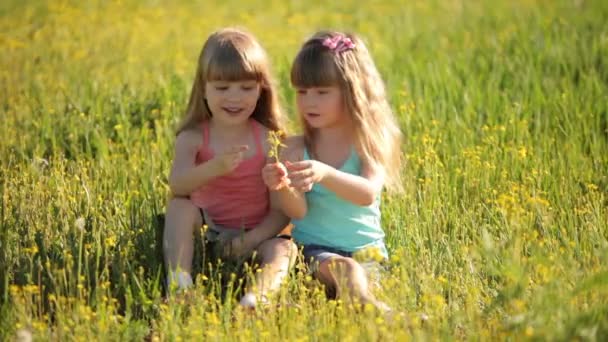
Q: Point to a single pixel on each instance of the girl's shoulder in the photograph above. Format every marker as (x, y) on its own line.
(188, 138)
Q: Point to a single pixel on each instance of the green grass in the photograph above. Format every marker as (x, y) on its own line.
(501, 233)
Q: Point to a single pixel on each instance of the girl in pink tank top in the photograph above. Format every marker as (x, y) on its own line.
(215, 178)
(238, 199)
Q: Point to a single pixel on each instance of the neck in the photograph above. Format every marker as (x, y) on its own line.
(335, 135)
(230, 132)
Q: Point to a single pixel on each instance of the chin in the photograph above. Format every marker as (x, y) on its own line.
(316, 124)
(321, 125)
(235, 120)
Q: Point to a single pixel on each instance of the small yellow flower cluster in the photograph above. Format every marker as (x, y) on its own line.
(275, 139)
(369, 254)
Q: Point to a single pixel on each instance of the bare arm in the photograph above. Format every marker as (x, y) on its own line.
(291, 201)
(186, 176)
(358, 189)
(272, 224)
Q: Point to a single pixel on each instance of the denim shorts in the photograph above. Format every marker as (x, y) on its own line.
(216, 236)
(314, 255)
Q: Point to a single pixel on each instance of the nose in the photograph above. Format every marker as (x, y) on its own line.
(233, 94)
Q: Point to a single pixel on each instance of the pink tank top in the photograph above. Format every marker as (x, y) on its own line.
(239, 199)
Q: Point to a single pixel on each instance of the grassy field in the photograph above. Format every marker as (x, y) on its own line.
(502, 232)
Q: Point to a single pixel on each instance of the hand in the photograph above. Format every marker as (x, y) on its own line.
(304, 174)
(275, 176)
(231, 158)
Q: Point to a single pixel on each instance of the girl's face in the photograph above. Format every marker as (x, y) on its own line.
(232, 102)
(321, 107)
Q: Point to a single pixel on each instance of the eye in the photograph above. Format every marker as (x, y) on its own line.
(301, 91)
(247, 88)
(322, 91)
(221, 88)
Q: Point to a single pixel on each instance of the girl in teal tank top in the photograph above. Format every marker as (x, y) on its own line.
(332, 177)
(337, 223)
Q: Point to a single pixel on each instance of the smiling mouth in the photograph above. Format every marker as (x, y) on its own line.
(233, 110)
(313, 115)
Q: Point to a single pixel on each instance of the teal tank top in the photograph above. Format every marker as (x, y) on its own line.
(333, 222)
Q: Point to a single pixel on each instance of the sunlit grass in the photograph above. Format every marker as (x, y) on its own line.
(502, 230)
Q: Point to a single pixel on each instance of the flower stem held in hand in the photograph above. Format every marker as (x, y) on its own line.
(275, 140)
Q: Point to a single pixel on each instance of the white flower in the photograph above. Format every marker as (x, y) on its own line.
(79, 223)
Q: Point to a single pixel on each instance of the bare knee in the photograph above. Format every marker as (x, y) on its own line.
(341, 270)
(343, 266)
(179, 205)
(330, 270)
(277, 248)
(342, 274)
(182, 214)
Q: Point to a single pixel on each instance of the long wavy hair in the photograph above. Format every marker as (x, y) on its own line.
(376, 132)
(232, 54)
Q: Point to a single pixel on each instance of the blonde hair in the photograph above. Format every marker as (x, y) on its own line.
(232, 54)
(376, 132)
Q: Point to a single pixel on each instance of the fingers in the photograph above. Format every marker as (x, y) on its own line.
(296, 175)
(282, 169)
(237, 149)
(299, 170)
(277, 183)
(303, 185)
(275, 168)
(306, 188)
(301, 175)
(275, 176)
(282, 183)
(297, 166)
(274, 183)
(233, 156)
(234, 160)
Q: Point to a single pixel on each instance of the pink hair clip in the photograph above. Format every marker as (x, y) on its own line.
(339, 43)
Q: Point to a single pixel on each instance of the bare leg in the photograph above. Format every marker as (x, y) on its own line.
(278, 256)
(348, 278)
(178, 239)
